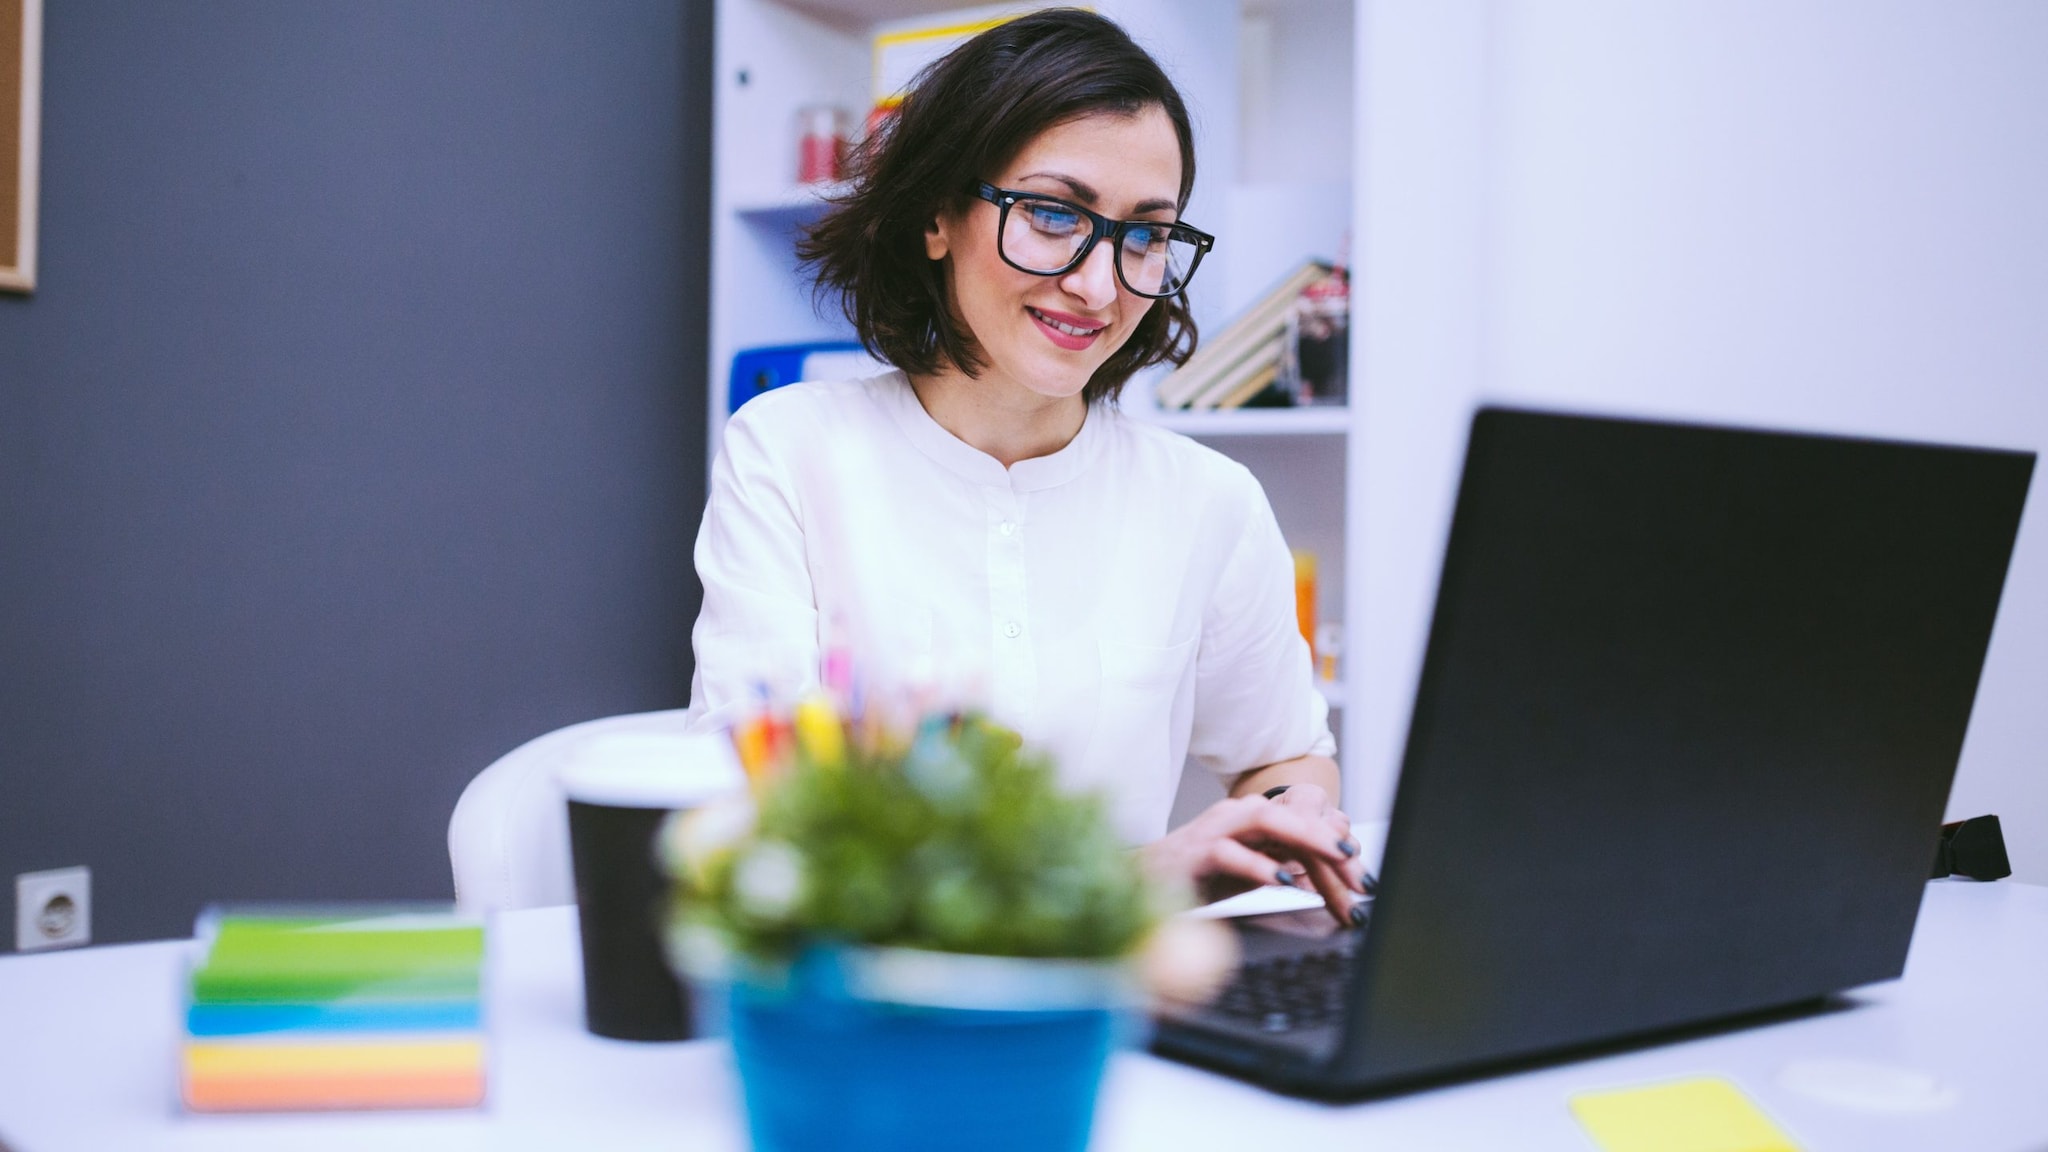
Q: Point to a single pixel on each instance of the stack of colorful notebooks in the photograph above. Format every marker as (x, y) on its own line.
(335, 1008)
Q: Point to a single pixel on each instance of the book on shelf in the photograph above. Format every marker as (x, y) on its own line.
(1262, 363)
(1260, 382)
(1258, 331)
(1221, 375)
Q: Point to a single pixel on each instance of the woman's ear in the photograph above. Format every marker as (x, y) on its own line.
(936, 243)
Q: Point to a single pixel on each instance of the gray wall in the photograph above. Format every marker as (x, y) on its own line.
(354, 434)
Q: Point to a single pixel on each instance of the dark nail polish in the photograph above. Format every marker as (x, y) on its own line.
(1358, 915)
(1370, 883)
(1348, 847)
(1283, 876)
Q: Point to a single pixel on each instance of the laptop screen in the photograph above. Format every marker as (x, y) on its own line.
(1691, 705)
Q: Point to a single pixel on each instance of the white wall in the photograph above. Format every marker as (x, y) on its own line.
(1804, 214)
(1295, 79)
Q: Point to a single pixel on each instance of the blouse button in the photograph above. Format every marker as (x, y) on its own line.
(1007, 528)
(1013, 629)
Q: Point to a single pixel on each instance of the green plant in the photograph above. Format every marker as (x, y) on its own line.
(952, 837)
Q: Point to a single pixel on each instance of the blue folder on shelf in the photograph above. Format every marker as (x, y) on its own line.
(758, 370)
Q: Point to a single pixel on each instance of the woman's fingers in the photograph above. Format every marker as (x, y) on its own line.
(1354, 867)
(1231, 858)
(1255, 841)
(1354, 874)
(1324, 852)
(1313, 803)
(1293, 832)
(1331, 884)
(1333, 867)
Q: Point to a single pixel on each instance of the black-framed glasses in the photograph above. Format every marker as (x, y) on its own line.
(1048, 236)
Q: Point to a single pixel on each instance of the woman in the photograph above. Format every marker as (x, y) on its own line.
(983, 517)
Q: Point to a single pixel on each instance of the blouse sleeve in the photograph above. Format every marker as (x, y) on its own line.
(759, 624)
(1255, 697)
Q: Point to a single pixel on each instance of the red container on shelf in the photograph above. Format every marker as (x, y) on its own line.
(821, 142)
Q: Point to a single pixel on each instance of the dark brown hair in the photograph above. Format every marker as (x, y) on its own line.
(964, 118)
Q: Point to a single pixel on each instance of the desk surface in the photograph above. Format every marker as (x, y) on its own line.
(87, 1041)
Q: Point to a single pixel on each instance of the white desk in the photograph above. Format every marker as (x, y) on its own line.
(87, 1042)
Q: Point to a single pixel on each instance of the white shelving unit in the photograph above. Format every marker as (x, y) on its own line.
(794, 204)
(1240, 422)
(1269, 87)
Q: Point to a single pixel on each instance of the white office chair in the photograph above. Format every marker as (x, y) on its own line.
(508, 840)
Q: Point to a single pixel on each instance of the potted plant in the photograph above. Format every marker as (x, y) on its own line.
(926, 942)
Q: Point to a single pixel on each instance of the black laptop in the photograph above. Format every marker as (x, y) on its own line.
(1685, 728)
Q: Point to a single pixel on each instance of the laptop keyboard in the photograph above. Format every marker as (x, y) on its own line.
(1283, 993)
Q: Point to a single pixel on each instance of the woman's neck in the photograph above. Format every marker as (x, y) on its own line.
(1003, 420)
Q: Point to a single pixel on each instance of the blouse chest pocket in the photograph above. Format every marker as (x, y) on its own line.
(1143, 667)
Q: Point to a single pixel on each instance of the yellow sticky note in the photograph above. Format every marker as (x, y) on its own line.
(1703, 1115)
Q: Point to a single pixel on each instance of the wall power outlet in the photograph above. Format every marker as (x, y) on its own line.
(52, 909)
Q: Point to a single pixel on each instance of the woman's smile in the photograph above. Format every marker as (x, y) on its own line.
(1066, 330)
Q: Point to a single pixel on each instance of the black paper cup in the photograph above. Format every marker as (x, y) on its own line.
(621, 788)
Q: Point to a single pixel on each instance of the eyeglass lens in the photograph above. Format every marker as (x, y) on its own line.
(1045, 235)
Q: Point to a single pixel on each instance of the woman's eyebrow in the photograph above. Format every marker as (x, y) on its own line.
(1087, 195)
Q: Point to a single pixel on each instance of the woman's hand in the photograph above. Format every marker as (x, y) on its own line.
(1311, 798)
(1296, 838)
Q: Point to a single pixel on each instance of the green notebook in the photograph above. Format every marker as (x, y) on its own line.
(331, 954)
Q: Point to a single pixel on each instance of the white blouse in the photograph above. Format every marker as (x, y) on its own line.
(1126, 603)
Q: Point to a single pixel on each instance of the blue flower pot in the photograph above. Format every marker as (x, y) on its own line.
(843, 1055)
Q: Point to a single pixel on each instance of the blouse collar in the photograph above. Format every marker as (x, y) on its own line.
(893, 391)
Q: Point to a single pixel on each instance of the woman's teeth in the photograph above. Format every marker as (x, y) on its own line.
(1069, 329)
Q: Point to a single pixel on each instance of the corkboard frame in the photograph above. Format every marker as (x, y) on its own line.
(21, 117)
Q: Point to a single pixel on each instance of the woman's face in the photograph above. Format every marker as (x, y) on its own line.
(1048, 334)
